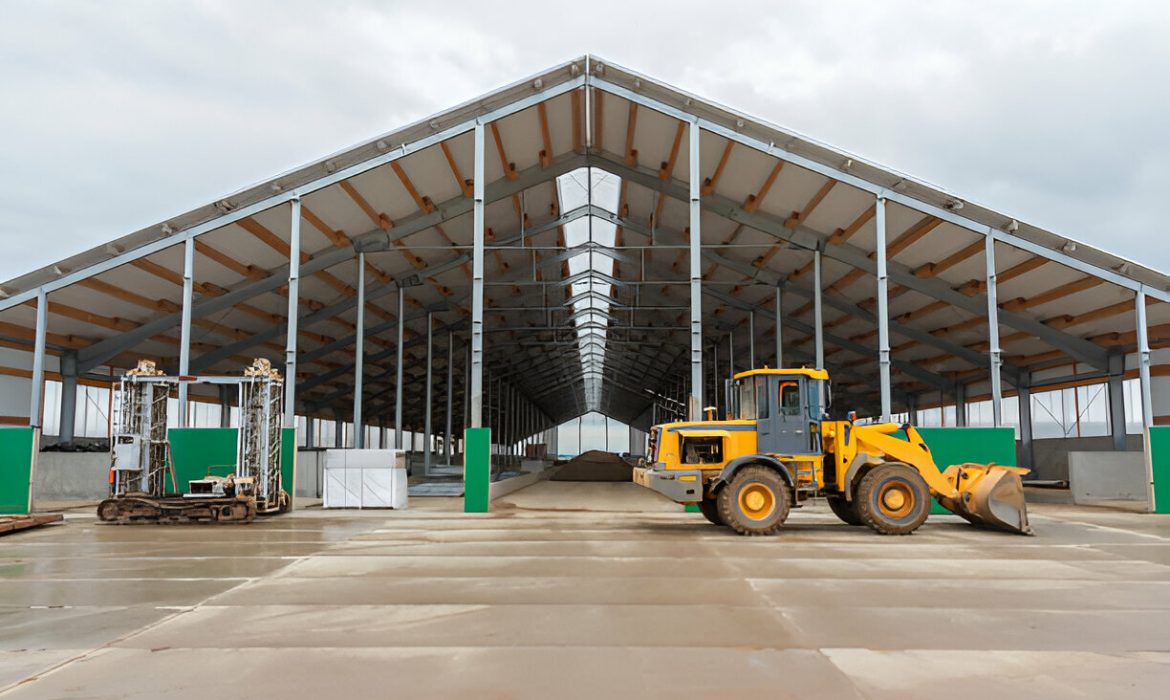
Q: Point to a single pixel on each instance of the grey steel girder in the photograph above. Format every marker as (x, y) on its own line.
(805, 237)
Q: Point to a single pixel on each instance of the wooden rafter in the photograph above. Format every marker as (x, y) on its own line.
(797, 218)
(465, 185)
(631, 154)
(753, 201)
(709, 184)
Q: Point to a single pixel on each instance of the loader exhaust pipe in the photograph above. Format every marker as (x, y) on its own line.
(988, 495)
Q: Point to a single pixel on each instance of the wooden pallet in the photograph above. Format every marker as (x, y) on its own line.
(12, 523)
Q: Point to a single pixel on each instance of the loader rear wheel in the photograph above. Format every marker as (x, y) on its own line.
(893, 499)
(845, 510)
(710, 511)
(756, 501)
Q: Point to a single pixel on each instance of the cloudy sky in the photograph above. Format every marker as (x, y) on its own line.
(117, 115)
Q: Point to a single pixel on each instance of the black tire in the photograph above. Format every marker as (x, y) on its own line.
(844, 509)
(756, 502)
(893, 499)
(710, 511)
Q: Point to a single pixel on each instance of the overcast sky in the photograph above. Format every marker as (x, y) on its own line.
(117, 115)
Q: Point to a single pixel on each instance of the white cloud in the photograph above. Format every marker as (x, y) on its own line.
(118, 115)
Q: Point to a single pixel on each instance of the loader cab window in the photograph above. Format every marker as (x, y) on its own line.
(790, 398)
(752, 395)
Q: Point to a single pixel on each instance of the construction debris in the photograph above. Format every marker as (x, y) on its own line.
(12, 523)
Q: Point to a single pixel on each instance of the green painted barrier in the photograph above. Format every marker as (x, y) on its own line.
(1159, 460)
(957, 445)
(288, 463)
(197, 452)
(17, 457)
(477, 470)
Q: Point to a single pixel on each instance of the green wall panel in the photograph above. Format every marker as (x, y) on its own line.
(196, 452)
(957, 445)
(16, 464)
(1160, 464)
(477, 472)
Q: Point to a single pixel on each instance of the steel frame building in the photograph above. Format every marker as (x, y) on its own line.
(731, 234)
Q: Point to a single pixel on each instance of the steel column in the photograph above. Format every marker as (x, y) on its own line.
(1143, 348)
(68, 413)
(1117, 406)
(883, 311)
(818, 311)
(430, 395)
(993, 349)
(450, 396)
(960, 405)
(225, 406)
(696, 274)
(1027, 457)
(294, 285)
(185, 326)
(477, 230)
(779, 327)
(401, 350)
(359, 354)
(35, 417)
(730, 356)
(751, 341)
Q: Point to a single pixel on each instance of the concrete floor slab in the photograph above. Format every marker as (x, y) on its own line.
(1019, 675)
(565, 673)
(578, 590)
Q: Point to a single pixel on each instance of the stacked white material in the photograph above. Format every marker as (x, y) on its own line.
(365, 479)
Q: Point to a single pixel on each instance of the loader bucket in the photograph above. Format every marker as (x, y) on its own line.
(988, 495)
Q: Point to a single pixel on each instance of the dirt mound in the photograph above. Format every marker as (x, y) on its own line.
(595, 465)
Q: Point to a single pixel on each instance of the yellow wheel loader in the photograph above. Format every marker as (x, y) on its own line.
(778, 448)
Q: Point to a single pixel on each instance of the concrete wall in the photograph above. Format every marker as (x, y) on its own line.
(1099, 477)
(1051, 455)
(71, 476)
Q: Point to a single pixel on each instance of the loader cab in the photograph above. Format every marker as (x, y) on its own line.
(787, 406)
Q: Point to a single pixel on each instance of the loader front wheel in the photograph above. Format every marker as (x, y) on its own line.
(756, 501)
(845, 509)
(893, 499)
(710, 511)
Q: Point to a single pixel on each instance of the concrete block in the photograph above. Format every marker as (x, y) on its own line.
(1100, 477)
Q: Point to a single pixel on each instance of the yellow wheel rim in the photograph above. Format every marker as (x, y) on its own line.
(757, 501)
(895, 499)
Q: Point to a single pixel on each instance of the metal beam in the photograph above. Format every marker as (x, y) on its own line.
(359, 354)
(737, 134)
(818, 309)
(1143, 348)
(36, 399)
(399, 349)
(883, 312)
(994, 353)
(450, 396)
(233, 212)
(185, 327)
(696, 214)
(371, 241)
(68, 413)
(476, 389)
(1079, 348)
(428, 403)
